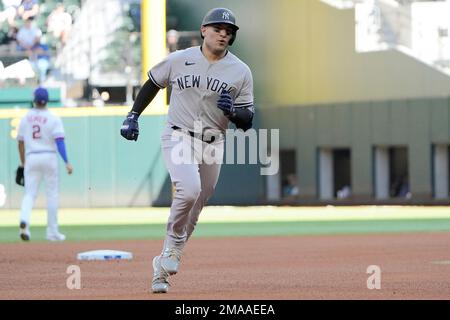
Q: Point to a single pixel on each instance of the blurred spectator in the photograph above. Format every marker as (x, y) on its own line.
(9, 12)
(40, 60)
(172, 40)
(11, 38)
(28, 36)
(195, 42)
(28, 9)
(290, 189)
(135, 14)
(59, 23)
(344, 193)
(400, 187)
(97, 100)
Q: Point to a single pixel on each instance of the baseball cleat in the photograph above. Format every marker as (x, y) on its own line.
(160, 282)
(24, 231)
(170, 260)
(55, 236)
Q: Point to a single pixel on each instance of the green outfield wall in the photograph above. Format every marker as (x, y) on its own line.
(110, 171)
(21, 97)
(360, 127)
(113, 172)
(107, 170)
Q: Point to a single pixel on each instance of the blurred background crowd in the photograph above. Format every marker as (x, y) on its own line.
(36, 31)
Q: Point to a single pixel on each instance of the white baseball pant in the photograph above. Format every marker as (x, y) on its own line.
(40, 166)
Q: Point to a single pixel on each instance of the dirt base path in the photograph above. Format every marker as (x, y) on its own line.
(413, 266)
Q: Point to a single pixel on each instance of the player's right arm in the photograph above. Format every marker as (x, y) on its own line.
(21, 143)
(158, 79)
(21, 146)
(144, 97)
(130, 126)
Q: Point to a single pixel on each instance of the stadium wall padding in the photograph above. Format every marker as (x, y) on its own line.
(417, 124)
(112, 172)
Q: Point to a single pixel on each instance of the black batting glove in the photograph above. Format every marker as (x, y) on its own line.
(130, 127)
(225, 103)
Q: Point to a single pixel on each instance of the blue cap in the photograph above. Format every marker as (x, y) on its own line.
(41, 95)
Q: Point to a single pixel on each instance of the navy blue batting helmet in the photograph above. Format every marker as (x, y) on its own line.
(221, 15)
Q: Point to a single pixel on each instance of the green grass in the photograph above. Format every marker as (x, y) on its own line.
(274, 228)
(226, 214)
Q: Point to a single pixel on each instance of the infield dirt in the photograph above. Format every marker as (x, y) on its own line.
(413, 266)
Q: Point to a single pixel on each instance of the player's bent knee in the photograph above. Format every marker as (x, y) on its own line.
(189, 191)
(191, 194)
(207, 192)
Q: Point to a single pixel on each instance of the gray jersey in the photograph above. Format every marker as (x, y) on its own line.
(197, 84)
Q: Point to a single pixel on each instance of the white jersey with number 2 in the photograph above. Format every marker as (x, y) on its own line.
(38, 129)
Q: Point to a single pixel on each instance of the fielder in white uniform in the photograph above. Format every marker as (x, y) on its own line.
(40, 136)
(210, 87)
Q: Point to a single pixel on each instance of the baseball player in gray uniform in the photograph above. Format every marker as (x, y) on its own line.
(210, 87)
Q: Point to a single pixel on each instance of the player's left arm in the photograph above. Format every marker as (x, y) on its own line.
(60, 144)
(242, 118)
(58, 134)
(241, 110)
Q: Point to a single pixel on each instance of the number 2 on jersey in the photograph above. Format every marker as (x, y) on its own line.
(36, 131)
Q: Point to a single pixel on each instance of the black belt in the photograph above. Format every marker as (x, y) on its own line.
(192, 134)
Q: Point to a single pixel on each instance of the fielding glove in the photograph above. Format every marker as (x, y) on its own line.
(20, 178)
